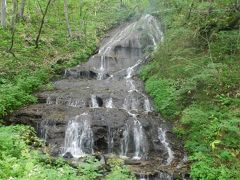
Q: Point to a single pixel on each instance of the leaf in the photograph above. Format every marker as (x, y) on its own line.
(214, 143)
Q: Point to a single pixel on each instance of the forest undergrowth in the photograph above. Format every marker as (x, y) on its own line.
(194, 78)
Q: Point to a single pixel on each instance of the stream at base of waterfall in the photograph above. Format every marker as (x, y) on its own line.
(101, 107)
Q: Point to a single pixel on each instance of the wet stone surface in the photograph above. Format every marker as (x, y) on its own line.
(101, 107)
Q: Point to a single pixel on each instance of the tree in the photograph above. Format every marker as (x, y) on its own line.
(3, 13)
(42, 23)
(21, 13)
(67, 18)
(13, 24)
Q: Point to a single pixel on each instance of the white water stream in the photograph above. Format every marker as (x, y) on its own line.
(79, 136)
(162, 137)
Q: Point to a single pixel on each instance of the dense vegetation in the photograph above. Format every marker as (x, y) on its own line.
(194, 80)
(18, 161)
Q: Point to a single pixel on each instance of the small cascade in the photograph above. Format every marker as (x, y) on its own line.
(131, 85)
(143, 177)
(134, 133)
(139, 140)
(59, 100)
(154, 41)
(49, 100)
(65, 73)
(75, 103)
(79, 137)
(130, 70)
(130, 103)
(94, 101)
(124, 141)
(43, 130)
(110, 140)
(103, 67)
(109, 103)
(147, 105)
(163, 139)
(164, 176)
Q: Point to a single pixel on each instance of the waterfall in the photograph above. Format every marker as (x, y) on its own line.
(102, 69)
(124, 141)
(147, 105)
(79, 136)
(139, 140)
(50, 100)
(116, 103)
(109, 103)
(94, 101)
(75, 102)
(110, 140)
(43, 130)
(164, 176)
(162, 137)
(143, 177)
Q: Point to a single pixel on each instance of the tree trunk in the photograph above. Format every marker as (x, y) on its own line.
(21, 13)
(13, 24)
(67, 18)
(42, 23)
(3, 13)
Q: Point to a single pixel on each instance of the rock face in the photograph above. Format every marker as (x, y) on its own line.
(100, 106)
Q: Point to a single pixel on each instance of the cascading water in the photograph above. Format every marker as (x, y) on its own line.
(94, 101)
(125, 141)
(139, 140)
(49, 100)
(43, 130)
(108, 81)
(79, 137)
(143, 177)
(164, 176)
(109, 103)
(147, 105)
(131, 103)
(162, 137)
(110, 140)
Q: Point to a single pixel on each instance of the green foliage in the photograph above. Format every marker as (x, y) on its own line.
(18, 160)
(162, 92)
(118, 170)
(139, 6)
(18, 93)
(90, 169)
(194, 79)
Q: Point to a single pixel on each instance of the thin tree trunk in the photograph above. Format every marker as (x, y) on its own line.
(42, 23)
(67, 18)
(21, 13)
(40, 7)
(13, 24)
(3, 13)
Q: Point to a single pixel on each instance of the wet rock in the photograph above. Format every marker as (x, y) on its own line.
(132, 162)
(101, 158)
(99, 101)
(68, 155)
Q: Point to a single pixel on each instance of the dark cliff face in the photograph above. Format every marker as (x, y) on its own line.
(120, 115)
